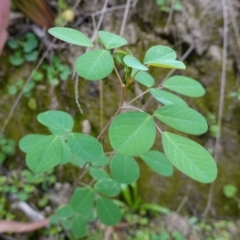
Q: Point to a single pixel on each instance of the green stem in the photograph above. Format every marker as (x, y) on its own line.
(119, 78)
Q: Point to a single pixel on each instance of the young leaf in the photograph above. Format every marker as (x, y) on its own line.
(184, 85)
(133, 62)
(182, 118)
(70, 35)
(167, 98)
(97, 173)
(82, 202)
(162, 56)
(85, 147)
(79, 226)
(158, 162)
(124, 169)
(144, 78)
(111, 40)
(132, 133)
(58, 122)
(95, 65)
(189, 157)
(28, 141)
(108, 212)
(45, 154)
(108, 187)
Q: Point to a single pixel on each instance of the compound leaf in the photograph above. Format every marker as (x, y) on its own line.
(108, 212)
(85, 147)
(95, 65)
(111, 40)
(184, 85)
(189, 157)
(182, 118)
(167, 98)
(158, 162)
(70, 35)
(45, 154)
(58, 122)
(132, 133)
(108, 187)
(124, 169)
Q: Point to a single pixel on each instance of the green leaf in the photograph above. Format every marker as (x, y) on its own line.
(16, 60)
(124, 169)
(82, 202)
(58, 122)
(45, 154)
(79, 226)
(108, 212)
(28, 141)
(189, 157)
(85, 147)
(70, 35)
(133, 62)
(158, 162)
(101, 162)
(132, 133)
(95, 65)
(67, 154)
(97, 173)
(162, 56)
(64, 211)
(144, 78)
(167, 98)
(111, 40)
(182, 118)
(184, 85)
(108, 187)
(229, 190)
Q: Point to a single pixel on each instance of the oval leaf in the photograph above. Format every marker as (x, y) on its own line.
(111, 40)
(189, 157)
(95, 65)
(182, 118)
(82, 202)
(108, 212)
(45, 154)
(85, 147)
(158, 162)
(79, 226)
(58, 122)
(124, 169)
(145, 79)
(108, 187)
(133, 62)
(184, 85)
(70, 35)
(64, 211)
(167, 98)
(132, 133)
(162, 56)
(29, 140)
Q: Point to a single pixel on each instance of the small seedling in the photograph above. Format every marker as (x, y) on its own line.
(131, 133)
(7, 148)
(24, 49)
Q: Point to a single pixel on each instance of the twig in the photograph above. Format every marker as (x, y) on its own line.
(221, 100)
(125, 17)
